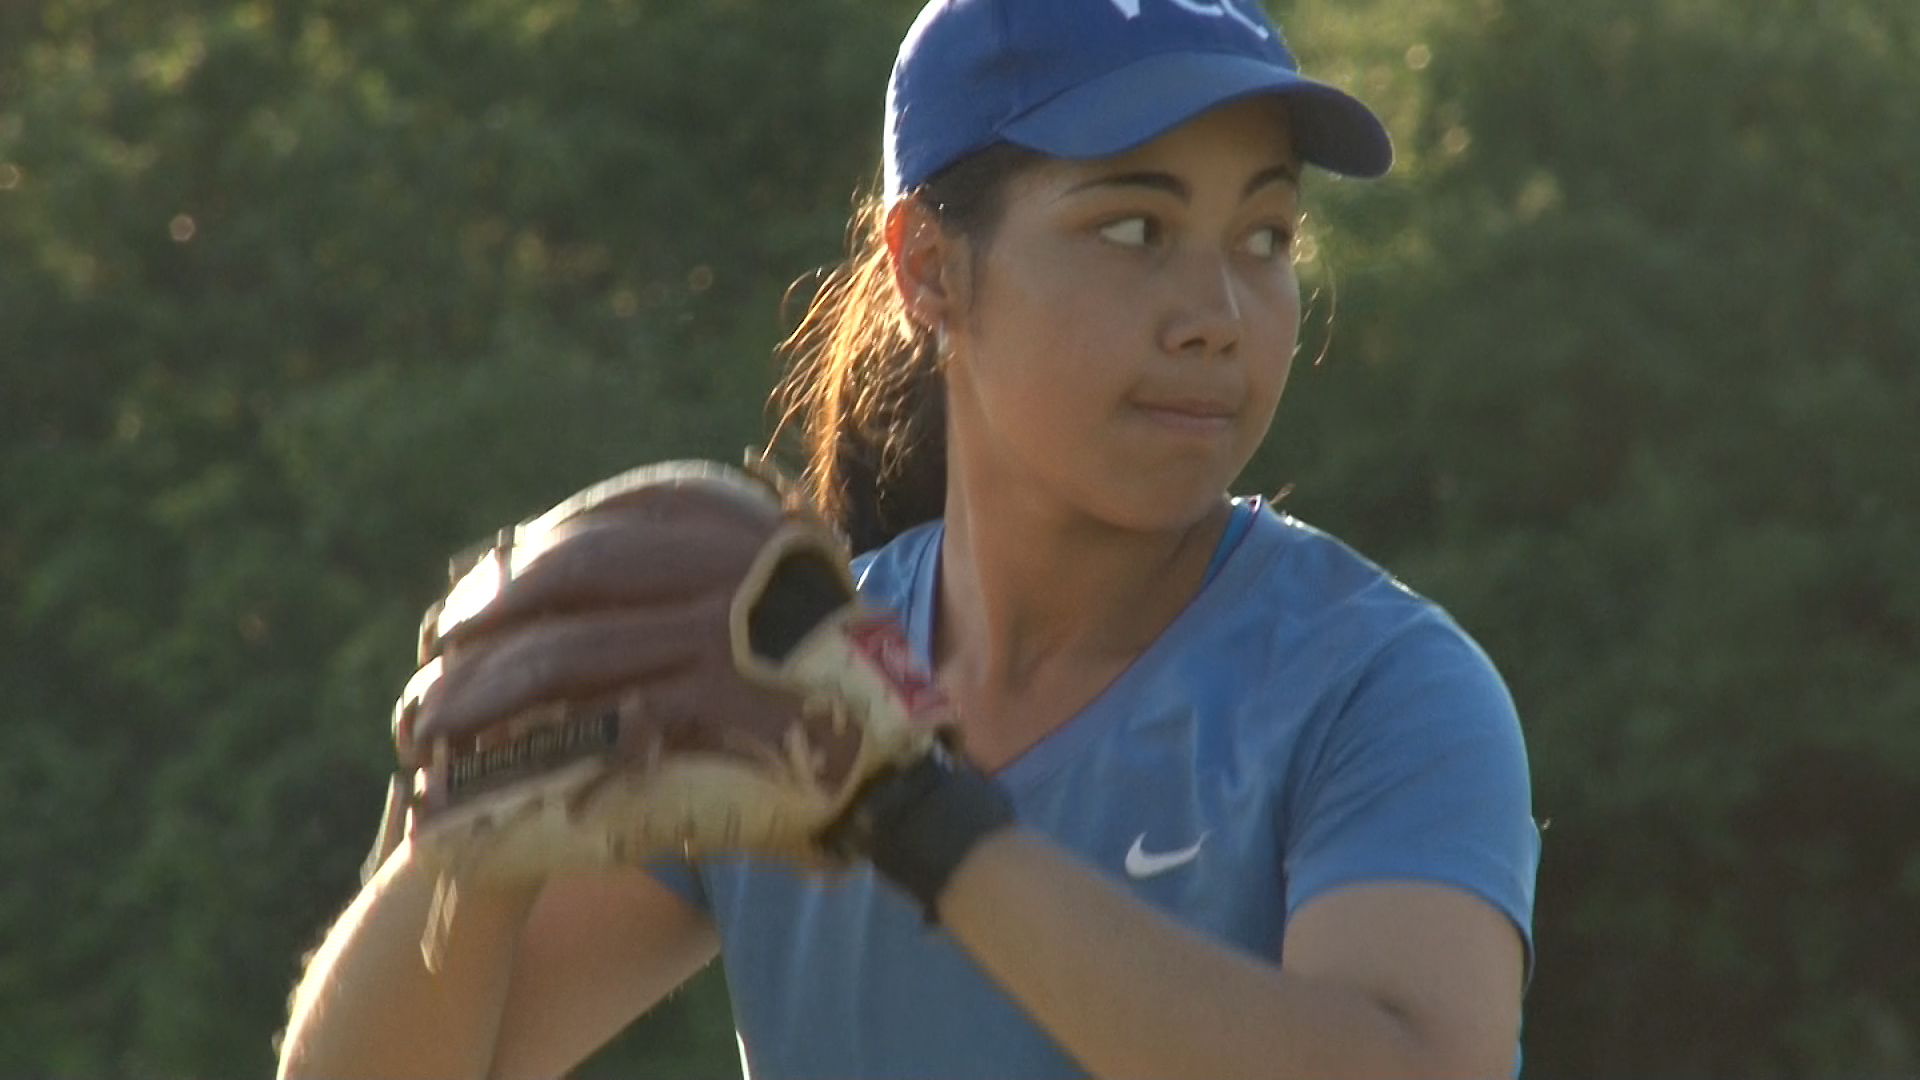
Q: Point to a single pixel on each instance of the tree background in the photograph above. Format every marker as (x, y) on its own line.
(297, 298)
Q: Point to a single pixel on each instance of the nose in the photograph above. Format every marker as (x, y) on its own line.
(1204, 317)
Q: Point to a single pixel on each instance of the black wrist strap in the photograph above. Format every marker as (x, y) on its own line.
(916, 823)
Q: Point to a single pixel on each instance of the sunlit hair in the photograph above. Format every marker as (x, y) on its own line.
(863, 394)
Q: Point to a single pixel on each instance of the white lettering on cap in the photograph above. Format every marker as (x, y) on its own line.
(1217, 9)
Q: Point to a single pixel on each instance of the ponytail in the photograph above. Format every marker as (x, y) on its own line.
(864, 385)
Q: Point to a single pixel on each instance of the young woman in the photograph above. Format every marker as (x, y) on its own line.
(1270, 809)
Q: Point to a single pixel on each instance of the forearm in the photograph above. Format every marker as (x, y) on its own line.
(1129, 992)
(367, 1007)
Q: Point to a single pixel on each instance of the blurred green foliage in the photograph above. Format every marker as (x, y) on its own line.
(298, 298)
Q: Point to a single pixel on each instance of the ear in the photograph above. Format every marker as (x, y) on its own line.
(924, 258)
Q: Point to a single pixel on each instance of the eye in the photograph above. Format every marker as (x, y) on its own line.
(1269, 241)
(1136, 231)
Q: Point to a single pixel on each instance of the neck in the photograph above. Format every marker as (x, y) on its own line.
(1028, 590)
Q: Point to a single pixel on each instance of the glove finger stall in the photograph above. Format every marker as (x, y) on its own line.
(487, 681)
(597, 562)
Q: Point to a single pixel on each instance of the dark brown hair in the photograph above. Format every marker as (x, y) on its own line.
(863, 384)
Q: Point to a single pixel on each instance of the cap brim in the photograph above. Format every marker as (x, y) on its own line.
(1130, 105)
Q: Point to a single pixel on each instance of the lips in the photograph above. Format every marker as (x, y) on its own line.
(1199, 415)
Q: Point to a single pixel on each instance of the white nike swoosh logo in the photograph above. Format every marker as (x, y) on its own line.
(1142, 863)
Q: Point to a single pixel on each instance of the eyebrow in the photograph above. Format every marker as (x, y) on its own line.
(1173, 185)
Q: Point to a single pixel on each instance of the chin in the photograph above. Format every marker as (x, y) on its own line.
(1167, 508)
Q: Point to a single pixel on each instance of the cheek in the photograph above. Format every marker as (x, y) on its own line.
(1282, 299)
(1285, 341)
(1045, 333)
(1272, 332)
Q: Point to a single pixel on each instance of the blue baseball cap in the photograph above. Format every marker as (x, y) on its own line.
(1089, 78)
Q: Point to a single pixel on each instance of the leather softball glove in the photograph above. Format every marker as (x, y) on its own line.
(672, 662)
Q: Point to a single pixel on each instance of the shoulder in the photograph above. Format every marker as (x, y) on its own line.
(1412, 763)
(1306, 591)
(1371, 662)
(886, 573)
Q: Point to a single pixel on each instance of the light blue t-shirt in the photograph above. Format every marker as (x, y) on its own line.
(1307, 722)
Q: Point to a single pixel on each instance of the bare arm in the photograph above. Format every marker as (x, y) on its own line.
(597, 952)
(1397, 980)
(534, 978)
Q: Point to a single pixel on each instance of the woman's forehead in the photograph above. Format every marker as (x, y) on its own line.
(1237, 142)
